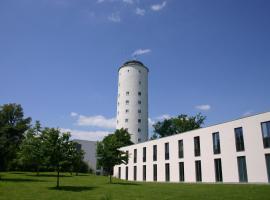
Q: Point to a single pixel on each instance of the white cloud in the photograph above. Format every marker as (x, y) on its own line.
(162, 117)
(247, 113)
(141, 52)
(114, 17)
(73, 114)
(151, 122)
(100, 1)
(140, 11)
(128, 1)
(158, 7)
(94, 121)
(204, 107)
(86, 135)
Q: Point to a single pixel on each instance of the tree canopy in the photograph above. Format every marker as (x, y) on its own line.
(108, 153)
(12, 128)
(179, 124)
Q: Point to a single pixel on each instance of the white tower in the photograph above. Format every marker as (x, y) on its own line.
(132, 102)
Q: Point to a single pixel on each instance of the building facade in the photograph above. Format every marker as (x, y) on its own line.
(132, 101)
(231, 152)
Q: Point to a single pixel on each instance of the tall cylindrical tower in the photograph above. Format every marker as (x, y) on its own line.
(132, 101)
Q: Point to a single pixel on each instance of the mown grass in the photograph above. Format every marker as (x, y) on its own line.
(28, 186)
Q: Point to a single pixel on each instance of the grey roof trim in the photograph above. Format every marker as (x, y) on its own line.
(132, 62)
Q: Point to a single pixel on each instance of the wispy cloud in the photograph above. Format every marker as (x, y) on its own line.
(114, 17)
(141, 52)
(247, 113)
(140, 11)
(164, 116)
(94, 121)
(158, 7)
(204, 107)
(86, 135)
(128, 1)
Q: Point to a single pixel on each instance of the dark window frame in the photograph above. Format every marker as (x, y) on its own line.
(126, 172)
(197, 146)
(154, 172)
(144, 172)
(154, 152)
(135, 173)
(180, 149)
(267, 161)
(181, 171)
(216, 143)
(239, 139)
(198, 170)
(266, 140)
(242, 169)
(167, 172)
(218, 170)
(167, 151)
(144, 154)
(135, 156)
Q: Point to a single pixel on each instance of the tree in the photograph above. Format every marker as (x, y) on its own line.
(108, 152)
(56, 149)
(76, 155)
(179, 124)
(31, 150)
(12, 127)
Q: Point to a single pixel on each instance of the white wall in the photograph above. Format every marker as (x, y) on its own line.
(133, 78)
(254, 152)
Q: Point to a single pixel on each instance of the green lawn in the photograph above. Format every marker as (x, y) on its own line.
(17, 186)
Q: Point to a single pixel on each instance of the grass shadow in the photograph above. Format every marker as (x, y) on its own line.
(17, 180)
(73, 188)
(48, 175)
(125, 183)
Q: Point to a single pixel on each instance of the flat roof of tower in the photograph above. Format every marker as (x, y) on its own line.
(133, 62)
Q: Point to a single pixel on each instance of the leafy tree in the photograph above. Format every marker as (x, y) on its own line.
(57, 149)
(108, 153)
(179, 124)
(12, 127)
(31, 150)
(76, 155)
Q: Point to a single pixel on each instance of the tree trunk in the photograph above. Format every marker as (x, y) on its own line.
(110, 179)
(58, 175)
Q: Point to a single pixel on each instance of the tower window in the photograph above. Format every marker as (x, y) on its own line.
(140, 82)
(139, 120)
(139, 102)
(126, 120)
(128, 70)
(127, 102)
(139, 71)
(127, 93)
(139, 130)
(127, 110)
(139, 93)
(139, 111)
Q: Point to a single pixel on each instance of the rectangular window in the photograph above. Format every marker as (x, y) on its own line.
(167, 172)
(139, 111)
(139, 93)
(127, 110)
(242, 169)
(127, 102)
(167, 151)
(180, 149)
(154, 172)
(198, 170)
(239, 139)
(155, 153)
(139, 120)
(267, 159)
(127, 93)
(127, 153)
(119, 172)
(135, 173)
(216, 143)
(139, 102)
(144, 173)
(197, 148)
(181, 172)
(126, 173)
(218, 170)
(135, 156)
(266, 134)
(126, 120)
(144, 154)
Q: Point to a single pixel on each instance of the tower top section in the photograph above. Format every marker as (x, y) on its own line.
(133, 62)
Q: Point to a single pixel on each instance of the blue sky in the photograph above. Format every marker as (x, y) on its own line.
(59, 58)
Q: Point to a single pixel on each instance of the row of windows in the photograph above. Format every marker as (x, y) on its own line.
(127, 94)
(120, 85)
(241, 163)
(239, 143)
(127, 102)
(129, 71)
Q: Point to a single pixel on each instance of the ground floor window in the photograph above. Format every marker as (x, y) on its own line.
(267, 159)
(155, 172)
(218, 170)
(135, 173)
(242, 169)
(119, 172)
(167, 172)
(198, 170)
(181, 172)
(126, 173)
(144, 172)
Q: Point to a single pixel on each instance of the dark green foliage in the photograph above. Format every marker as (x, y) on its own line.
(12, 128)
(179, 124)
(108, 152)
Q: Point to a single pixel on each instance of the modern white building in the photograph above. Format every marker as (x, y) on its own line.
(231, 152)
(132, 102)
